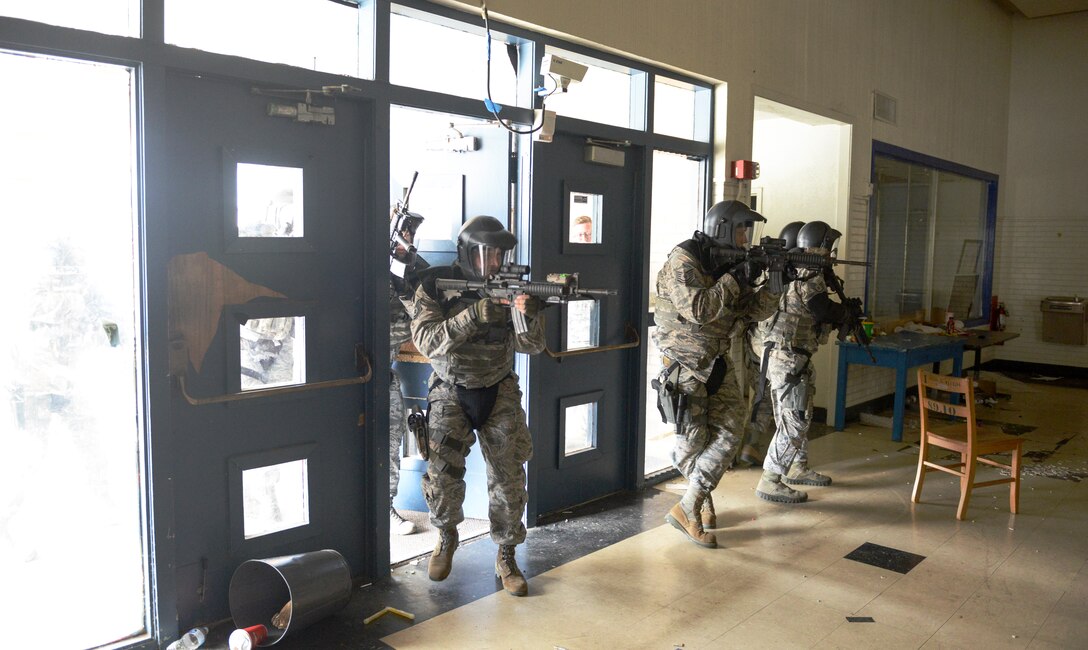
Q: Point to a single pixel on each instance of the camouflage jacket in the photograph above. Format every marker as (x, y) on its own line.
(400, 324)
(696, 315)
(793, 326)
(463, 351)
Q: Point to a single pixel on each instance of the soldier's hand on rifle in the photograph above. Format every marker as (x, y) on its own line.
(528, 305)
(747, 272)
(789, 272)
(487, 311)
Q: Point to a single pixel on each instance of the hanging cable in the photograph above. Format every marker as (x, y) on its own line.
(490, 103)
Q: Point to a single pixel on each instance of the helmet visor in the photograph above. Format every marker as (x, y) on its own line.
(486, 260)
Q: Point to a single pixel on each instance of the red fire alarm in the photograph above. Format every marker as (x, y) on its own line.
(745, 169)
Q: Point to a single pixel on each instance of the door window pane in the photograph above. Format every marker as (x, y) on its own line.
(272, 352)
(586, 211)
(609, 94)
(269, 201)
(275, 498)
(119, 17)
(447, 59)
(72, 532)
(580, 426)
(314, 34)
(583, 324)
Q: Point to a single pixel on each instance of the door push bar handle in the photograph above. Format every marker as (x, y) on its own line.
(361, 361)
(633, 341)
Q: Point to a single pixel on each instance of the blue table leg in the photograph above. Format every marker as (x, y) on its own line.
(840, 392)
(900, 401)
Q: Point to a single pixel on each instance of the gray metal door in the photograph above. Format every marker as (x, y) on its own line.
(587, 219)
(265, 230)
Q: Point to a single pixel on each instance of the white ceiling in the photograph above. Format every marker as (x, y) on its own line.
(1041, 8)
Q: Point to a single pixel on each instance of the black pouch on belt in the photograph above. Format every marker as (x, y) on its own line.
(477, 403)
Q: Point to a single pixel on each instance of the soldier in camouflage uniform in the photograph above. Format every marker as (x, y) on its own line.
(404, 265)
(805, 317)
(471, 343)
(701, 302)
(760, 427)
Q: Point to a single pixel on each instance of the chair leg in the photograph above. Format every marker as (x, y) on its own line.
(1014, 487)
(967, 481)
(920, 475)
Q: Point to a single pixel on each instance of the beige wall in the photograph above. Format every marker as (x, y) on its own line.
(1043, 214)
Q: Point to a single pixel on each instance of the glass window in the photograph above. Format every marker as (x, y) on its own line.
(681, 109)
(269, 201)
(586, 211)
(608, 93)
(324, 35)
(580, 427)
(583, 324)
(272, 352)
(929, 225)
(119, 17)
(451, 60)
(275, 498)
(71, 446)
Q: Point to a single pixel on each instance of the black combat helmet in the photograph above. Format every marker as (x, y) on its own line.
(817, 234)
(726, 220)
(789, 233)
(480, 238)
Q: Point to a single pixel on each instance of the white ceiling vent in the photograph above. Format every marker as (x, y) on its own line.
(883, 107)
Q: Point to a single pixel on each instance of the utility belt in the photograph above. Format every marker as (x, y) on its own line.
(477, 405)
(672, 404)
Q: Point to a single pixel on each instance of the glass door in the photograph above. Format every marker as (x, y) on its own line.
(72, 518)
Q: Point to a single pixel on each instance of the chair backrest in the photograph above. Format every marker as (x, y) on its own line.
(962, 386)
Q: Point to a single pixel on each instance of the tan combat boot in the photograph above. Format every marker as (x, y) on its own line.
(442, 557)
(801, 474)
(506, 569)
(707, 514)
(693, 529)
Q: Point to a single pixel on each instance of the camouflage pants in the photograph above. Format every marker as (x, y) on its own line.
(506, 445)
(758, 430)
(397, 427)
(791, 378)
(710, 431)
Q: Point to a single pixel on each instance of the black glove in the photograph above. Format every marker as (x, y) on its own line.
(486, 311)
(790, 273)
(747, 272)
(402, 287)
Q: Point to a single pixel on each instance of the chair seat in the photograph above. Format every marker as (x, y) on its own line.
(988, 438)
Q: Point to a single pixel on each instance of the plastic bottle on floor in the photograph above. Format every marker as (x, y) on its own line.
(191, 640)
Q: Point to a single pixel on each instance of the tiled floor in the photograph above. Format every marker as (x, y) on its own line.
(780, 579)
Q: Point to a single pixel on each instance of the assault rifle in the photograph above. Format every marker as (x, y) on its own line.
(772, 253)
(512, 281)
(853, 313)
(404, 220)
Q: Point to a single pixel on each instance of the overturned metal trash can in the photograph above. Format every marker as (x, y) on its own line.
(317, 584)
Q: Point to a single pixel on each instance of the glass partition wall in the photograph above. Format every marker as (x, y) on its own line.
(931, 239)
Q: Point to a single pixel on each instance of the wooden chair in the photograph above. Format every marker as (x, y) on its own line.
(963, 436)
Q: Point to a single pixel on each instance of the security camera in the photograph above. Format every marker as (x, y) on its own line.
(565, 69)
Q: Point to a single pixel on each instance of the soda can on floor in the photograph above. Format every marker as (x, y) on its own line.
(247, 638)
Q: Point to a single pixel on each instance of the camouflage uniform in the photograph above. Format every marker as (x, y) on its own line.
(466, 354)
(696, 317)
(399, 333)
(796, 334)
(760, 426)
